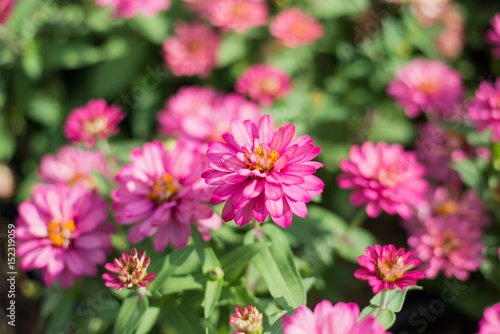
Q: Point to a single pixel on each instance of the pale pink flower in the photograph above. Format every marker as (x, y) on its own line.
(246, 320)
(484, 111)
(5, 9)
(192, 51)
(261, 172)
(386, 268)
(490, 323)
(202, 114)
(129, 271)
(493, 35)
(293, 28)
(237, 15)
(161, 193)
(7, 183)
(429, 12)
(93, 122)
(64, 232)
(264, 84)
(131, 8)
(426, 85)
(383, 177)
(341, 318)
(197, 5)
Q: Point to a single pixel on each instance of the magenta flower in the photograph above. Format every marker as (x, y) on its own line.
(5, 9)
(264, 84)
(493, 35)
(93, 122)
(246, 320)
(192, 50)
(387, 268)
(202, 114)
(260, 172)
(63, 231)
(340, 318)
(161, 194)
(426, 85)
(490, 323)
(485, 109)
(131, 8)
(384, 177)
(294, 28)
(237, 15)
(129, 271)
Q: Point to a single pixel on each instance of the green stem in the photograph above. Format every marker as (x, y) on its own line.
(384, 297)
(358, 219)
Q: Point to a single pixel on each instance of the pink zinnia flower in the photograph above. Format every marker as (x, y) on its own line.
(264, 84)
(493, 35)
(161, 193)
(129, 271)
(426, 85)
(131, 8)
(63, 231)
(93, 122)
(341, 318)
(387, 268)
(260, 172)
(384, 177)
(293, 28)
(192, 50)
(484, 110)
(5, 9)
(246, 320)
(237, 15)
(490, 323)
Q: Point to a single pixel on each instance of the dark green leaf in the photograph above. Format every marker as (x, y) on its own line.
(132, 309)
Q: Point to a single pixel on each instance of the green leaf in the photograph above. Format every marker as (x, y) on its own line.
(207, 255)
(212, 295)
(353, 242)
(386, 318)
(472, 173)
(234, 262)
(183, 319)
(32, 62)
(175, 284)
(330, 9)
(132, 309)
(153, 28)
(395, 298)
(233, 47)
(172, 261)
(148, 320)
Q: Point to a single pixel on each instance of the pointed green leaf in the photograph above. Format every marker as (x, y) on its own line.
(395, 298)
(148, 320)
(212, 295)
(386, 318)
(234, 262)
(131, 311)
(172, 261)
(183, 319)
(207, 255)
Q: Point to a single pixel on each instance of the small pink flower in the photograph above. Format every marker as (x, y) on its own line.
(192, 50)
(246, 320)
(340, 318)
(387, 268)
(237, 15)
(493, 35)
(5, 9)
(93, 122)
(426, 85)
(63, 231)
(161, 193)
(131, 8)
(264, 84)
(384, 177)
(130, 271)
(490, 323)
(293, 28)
(484, 110)
(261, 172)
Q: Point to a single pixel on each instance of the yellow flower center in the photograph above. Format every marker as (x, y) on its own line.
(269, 85)
(262, 159)
(164, 189)
(96, 126)
(389, 271)
(60, 233)
(239, 10)
(447, 208)
(428, 87)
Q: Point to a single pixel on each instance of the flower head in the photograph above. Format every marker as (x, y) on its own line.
(484, 110)
(93, 122)
(129, 271)
(192, 50)
(237, 15)
(490, 323)
(493, 35)
(384, 177)
(387, 268)
(293, 28)
(261, 172)
(131, 8)
(247, 320)
(426, 85)
(340, 318)
(264, 84)
(63, 231)
(5, 9)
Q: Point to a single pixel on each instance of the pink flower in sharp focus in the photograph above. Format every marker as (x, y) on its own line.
(161, 193)
(63, 231)
(264, 84)
(340, 318)
(93, 122)
(131, 8)
(129, 271)
(202, 114)
(192, 50)
(484, 110)
(383, 177)
(5, 9)
(426, 85)
(260, 172)
(246, 320)
(387, 268)
(237, 15)
(293, 28)
(490, 323)
(493, 35)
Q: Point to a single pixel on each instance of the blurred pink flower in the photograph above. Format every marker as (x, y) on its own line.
(295, 28)
(490, 323)
(63, 231)
(129, 271)
(197, 5)
(131, 8)
(264, 84)
(161, 193)
(485, 109)
(260, 172)
(5, 9)
(426, 85)
(493, 35)
(246, 320)
(237, 15)
(93, 122)
(340, 318)
(202, 114)
(192, 51)
(384, 177)
(450, 43)
(387, 268)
